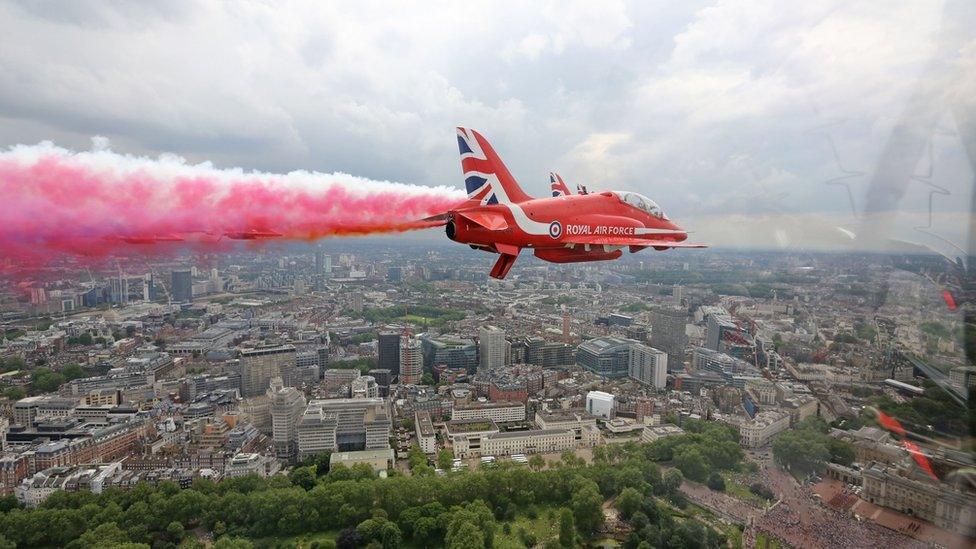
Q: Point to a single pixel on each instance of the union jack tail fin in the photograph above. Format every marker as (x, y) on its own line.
(557, 185)
(485, 176)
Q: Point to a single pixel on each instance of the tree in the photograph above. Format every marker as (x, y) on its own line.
(8, 502)
(45, 381)
(14, 393)
(716, 482)
(348, 539)
(761, 490)
(801, 450)
(567, 527)
(840, 452)
(390, 535)
(588, 508)
(73, 371)
(382, 530)
(320, 461)
(427, 379)
(628, 502)
(672, 481)
(175, 531)
(445, 459)
(536, 462)
(104, 535)
(691, 463)
(465, 536)
(416, 456)
(425, 530)
(303, 477)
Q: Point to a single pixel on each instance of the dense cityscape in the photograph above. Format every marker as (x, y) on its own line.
(355, 393)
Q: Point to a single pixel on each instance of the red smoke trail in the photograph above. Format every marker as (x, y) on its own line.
(56, 203)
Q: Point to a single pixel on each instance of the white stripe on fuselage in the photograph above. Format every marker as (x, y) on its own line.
(527, 225)
(537, 228)
(641, 230)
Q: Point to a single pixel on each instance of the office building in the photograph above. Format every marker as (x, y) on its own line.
(27, 410)
(337, 378)
(261, 364)
(388, 351)
(451, 352)
(668, 333)
(612, 357)
(648, 366)
(963, 378)
(383, 378)
(704, 359)
(411, 362)
(316, 432)
(599, 404)
(287, 406)
(344, 424)
(182, 286)
(320, 261)
(492, 348)
(715, 326)
(364, 387)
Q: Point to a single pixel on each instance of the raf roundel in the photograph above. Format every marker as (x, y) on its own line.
(555, 229)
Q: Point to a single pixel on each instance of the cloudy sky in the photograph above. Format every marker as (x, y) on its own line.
(728, 113)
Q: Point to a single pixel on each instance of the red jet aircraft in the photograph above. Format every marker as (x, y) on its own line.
(499, 217)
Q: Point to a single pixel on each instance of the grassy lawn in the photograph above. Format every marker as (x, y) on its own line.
(742, 492)
(416, 319)
(542, 527)
(765, 542)
(734, 536)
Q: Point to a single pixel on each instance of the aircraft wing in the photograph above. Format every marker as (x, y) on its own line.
(629, 241)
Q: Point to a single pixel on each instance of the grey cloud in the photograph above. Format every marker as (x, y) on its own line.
(714, 108)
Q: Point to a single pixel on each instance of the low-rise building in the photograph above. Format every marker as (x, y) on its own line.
(379, 460)
(251, 464)
(426, 437)
(762, 428)
(654, 432)
(575, 419)
(499, 412)
(905, 492)
(523, 442)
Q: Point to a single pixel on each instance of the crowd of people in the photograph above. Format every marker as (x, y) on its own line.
(719, 502)
(800, 520)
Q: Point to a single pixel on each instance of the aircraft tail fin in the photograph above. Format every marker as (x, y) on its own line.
(486, 178)
(557, 185)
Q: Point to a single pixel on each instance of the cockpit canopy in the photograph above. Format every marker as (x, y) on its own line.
(641, 202)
